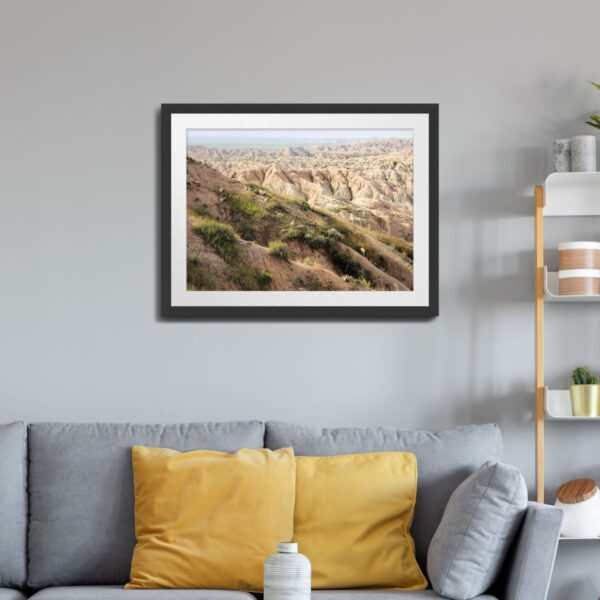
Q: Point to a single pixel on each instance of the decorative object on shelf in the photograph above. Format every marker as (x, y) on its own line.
(583, 153)
(579, 282)
(580, 502)
(251, 226)
(287, 574)
(594, 119)
(579, 255)
(561, 156)
(585, 394)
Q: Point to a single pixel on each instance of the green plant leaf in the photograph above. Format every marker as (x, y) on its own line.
(596, 85)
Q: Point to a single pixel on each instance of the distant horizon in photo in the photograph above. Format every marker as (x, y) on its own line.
(281, 138)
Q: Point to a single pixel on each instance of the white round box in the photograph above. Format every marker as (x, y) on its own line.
(582, 519)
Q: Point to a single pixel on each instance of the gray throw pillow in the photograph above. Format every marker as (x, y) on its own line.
(474, 535)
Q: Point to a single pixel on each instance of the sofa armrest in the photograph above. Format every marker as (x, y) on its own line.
(531, 560)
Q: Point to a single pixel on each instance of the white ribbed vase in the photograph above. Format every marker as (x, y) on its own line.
(287, 574)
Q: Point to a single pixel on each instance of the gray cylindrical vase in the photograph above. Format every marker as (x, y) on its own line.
(561, 156)
(583, 153)
(287, 574)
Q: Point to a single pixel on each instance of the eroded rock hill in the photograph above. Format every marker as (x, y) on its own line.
(368, 182)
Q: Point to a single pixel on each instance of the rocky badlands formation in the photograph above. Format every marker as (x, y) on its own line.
(366, 182)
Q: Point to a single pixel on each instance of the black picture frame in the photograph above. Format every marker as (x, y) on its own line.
(168, 310)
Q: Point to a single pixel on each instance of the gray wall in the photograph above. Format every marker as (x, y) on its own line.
(79, 334)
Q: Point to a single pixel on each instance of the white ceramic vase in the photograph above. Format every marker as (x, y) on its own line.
(581, 519)
(583, 153)
(287, 574)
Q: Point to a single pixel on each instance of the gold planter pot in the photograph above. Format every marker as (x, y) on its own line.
(585, 400)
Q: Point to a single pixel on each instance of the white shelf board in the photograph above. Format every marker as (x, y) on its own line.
(577, 539)
(558, 407)
(551, 290)
(572, 194)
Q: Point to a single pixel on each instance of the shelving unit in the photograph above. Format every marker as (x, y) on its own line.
(562, 195)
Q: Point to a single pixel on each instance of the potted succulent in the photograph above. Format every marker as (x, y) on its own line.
(585, 394)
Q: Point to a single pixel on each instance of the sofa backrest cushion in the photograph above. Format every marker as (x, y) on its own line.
(81, 527)
(444, 460)
(13, 505)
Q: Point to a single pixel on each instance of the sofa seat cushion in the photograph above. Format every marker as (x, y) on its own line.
(110, 592)
(444, 460)
(381, 595)
(81, 505)
(10, 594)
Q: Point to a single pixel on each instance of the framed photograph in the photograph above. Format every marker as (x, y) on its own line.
(293, 210)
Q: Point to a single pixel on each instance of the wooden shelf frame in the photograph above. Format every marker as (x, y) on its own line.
(540, 388)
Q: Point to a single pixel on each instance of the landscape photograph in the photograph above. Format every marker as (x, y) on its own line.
(299, 210)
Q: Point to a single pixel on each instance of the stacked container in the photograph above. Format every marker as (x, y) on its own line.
(579, 268)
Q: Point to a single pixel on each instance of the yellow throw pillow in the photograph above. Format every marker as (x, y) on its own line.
(352, 520)
(208, 519)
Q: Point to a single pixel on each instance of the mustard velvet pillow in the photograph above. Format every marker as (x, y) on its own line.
(352, 520)
(208, 519)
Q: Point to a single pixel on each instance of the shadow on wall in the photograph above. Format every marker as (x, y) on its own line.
(498, 288)
(514, 407)
(580, 590)
(579, 585)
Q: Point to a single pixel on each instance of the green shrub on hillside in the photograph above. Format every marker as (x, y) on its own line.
(264, 279)
(310, 282)
(312, 237)
(246, 231)
(398, 244)
(219, 236)
(333, 235)
(197, 278)
(279, 249)
(345, 263)
(201, 210)
(244, 203)
(365, 283)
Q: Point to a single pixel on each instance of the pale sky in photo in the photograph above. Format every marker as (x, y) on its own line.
(288, 137)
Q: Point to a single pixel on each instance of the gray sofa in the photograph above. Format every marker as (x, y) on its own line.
(68, 513)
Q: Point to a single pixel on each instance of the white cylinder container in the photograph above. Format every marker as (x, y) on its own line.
(581, 519)
(583, 153)
(287, 574)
